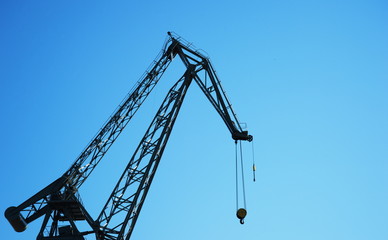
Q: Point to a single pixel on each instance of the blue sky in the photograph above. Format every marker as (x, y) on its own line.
(309, 78)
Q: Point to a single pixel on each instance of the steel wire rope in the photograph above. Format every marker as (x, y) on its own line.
(242, 175)
(253, 160)
(236, 175)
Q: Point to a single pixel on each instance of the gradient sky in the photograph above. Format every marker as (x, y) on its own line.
(309, 78)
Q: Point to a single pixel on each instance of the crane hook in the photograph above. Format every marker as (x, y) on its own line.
(241, 214)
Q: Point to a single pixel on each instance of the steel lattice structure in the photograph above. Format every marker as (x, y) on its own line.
(60, 201)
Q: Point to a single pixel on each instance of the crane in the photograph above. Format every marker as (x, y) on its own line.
(60, 202)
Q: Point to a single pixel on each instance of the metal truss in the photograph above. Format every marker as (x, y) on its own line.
(59, 202)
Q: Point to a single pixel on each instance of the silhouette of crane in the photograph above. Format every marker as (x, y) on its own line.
(60, 202)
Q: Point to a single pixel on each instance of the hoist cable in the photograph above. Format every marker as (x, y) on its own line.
(253, 160)
(236, 175)
(241, 212)
(242, 175)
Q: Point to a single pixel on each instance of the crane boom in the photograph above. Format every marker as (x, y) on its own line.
(130, 192)
(60, 200)
(72, 179)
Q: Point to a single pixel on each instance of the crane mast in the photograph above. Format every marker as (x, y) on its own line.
(60, 202)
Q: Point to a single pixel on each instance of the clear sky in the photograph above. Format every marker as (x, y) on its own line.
(310, 79)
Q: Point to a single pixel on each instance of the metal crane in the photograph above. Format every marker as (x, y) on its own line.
(60, 201)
